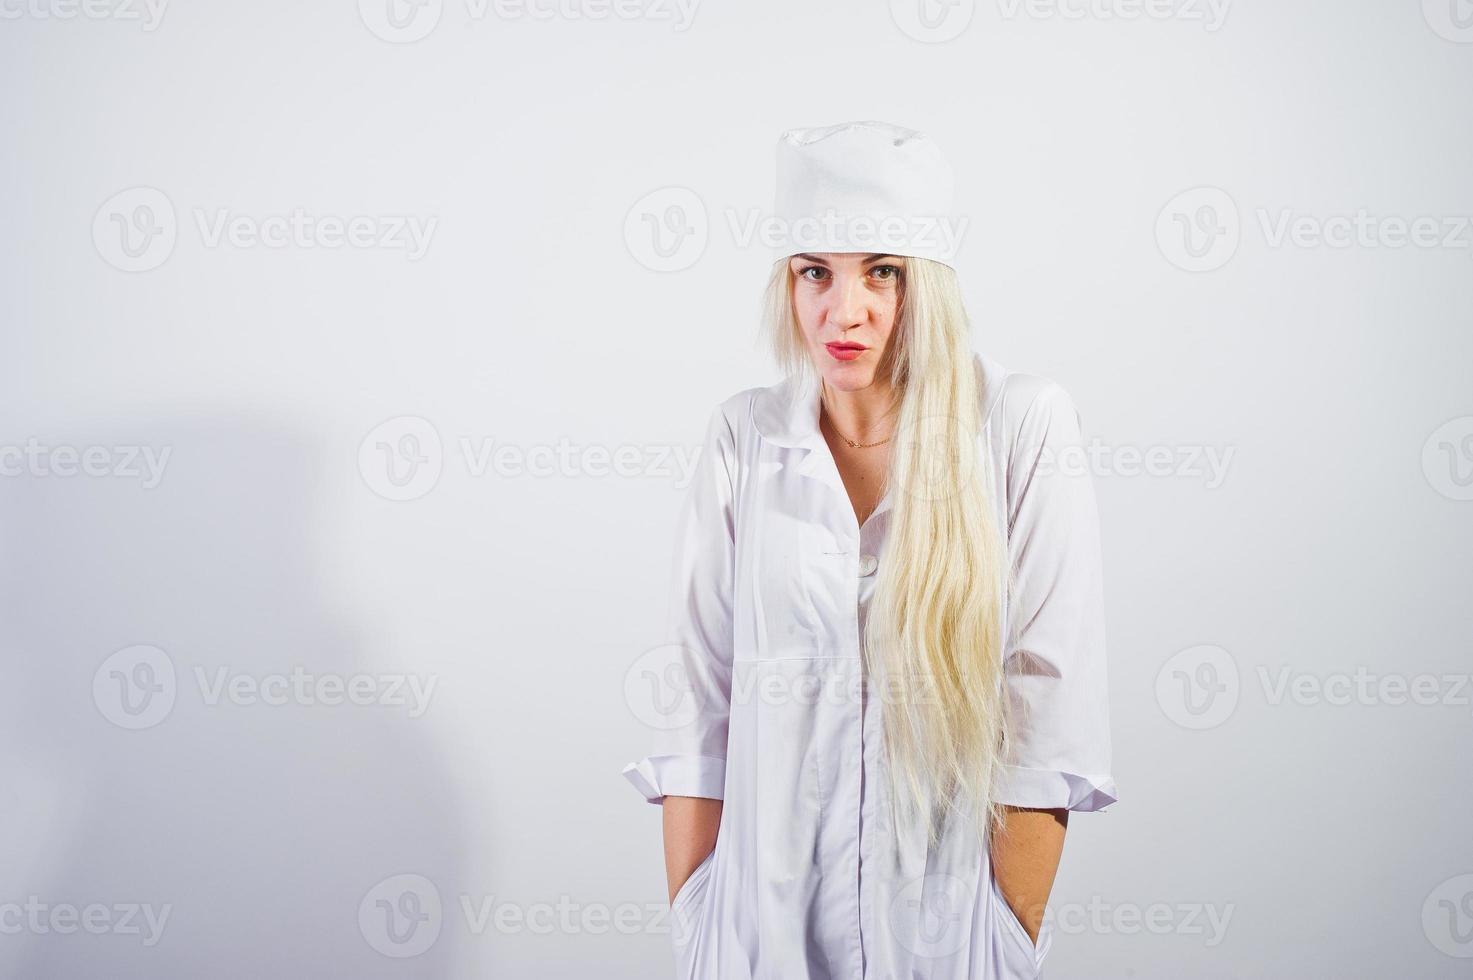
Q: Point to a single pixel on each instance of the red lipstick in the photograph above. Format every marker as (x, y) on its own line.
(845, 350)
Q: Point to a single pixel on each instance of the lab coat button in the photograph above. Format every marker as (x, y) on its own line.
(868, 564)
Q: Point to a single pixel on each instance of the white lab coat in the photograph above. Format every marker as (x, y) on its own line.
(809, 879)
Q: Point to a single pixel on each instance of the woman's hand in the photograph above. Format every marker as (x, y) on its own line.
(1025, 860)
(690, 825)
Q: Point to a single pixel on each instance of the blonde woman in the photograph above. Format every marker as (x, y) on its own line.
(887, 687)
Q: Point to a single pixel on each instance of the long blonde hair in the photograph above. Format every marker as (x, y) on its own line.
(933, 639)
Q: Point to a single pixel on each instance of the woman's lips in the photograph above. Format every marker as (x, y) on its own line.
(845, 351)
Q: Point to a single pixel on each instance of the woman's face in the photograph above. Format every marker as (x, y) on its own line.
(846, 304)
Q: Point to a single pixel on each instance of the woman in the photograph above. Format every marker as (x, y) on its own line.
(888, 622)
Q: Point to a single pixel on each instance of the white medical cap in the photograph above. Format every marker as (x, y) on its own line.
(865, 187)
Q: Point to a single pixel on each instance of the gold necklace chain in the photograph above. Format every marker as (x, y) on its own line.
(852, 444)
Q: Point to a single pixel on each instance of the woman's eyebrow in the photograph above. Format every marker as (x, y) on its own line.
(872, 257)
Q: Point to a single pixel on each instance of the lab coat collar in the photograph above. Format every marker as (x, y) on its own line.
(786, 414)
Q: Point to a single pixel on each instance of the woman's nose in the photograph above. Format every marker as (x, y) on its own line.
(850, 306)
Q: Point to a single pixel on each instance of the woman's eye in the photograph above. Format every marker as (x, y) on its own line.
(818, 269)
(890, 272)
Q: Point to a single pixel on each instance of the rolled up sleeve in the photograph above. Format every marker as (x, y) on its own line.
(1058, 753)
(689, 679)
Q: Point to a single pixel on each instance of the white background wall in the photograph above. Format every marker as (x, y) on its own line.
(1333, 838)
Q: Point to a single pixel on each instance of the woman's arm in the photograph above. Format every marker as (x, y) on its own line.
(690, 823)
(1058, 751)
(685, 684)
(1025, 860)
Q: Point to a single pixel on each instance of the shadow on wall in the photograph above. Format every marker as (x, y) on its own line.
(207, 832)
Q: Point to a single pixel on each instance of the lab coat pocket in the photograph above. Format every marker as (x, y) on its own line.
(686, 914)
(779, 563)
(1017, 952)
(796, 726)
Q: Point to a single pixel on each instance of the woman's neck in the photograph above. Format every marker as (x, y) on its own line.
(862, 414)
